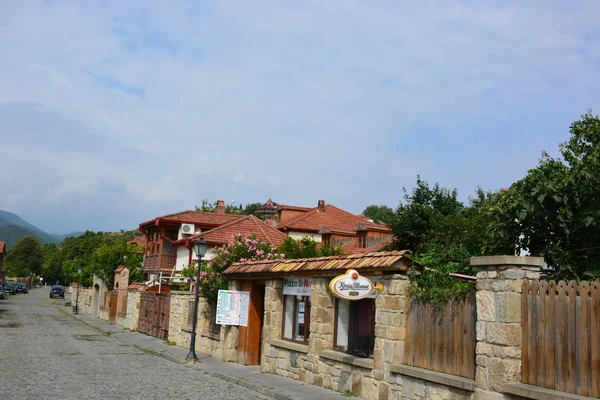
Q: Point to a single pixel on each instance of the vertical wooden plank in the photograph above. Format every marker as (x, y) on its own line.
(532, 334)
(561, 343)
(550, 306)
(525, 287)
(458, 336)
(571, 338)
(583, 339)
(437, 342)
(472, 339)
(595, 339)
(447, 344)
(408, 348)
(541, 334)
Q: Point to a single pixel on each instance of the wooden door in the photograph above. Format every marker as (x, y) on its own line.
(112, 307)
(249, 338)
(146, 311)
(160, 315)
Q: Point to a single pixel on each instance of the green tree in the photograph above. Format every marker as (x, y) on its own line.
(250, 209)
(25, 257)
(380, 214)
(428, 216)
(557, 205)
(306, 248)
(240, 248)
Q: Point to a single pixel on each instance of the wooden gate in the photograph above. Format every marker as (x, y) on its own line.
(154, 314)
(112, 306)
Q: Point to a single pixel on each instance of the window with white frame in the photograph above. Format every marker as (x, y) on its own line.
(296, 318)
(355, 327)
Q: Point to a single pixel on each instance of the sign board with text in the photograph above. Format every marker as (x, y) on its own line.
(232, 307)
(352, 286)
(297, 286)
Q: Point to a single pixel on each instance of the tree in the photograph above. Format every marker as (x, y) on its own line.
(380, 214)
(250, 209)
(557, 205)
(306, 248)
(25, 257)
(428, 215)
(111, 255)
(240, 248)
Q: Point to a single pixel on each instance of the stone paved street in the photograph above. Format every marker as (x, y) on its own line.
(47, 354)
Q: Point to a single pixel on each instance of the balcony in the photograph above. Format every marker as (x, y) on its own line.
(167, 264)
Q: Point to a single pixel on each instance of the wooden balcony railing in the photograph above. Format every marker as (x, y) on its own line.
(151, 263)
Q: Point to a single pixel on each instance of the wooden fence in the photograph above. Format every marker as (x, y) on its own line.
(442, 340)
(561, 336)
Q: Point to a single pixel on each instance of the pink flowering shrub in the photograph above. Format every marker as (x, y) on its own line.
(240, 248)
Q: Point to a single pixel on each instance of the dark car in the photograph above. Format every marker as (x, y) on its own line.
(9, 288)
(21, 288)
(57, 291)
(1, 292)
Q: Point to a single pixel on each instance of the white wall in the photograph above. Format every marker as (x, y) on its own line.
(299, 235)
(183, 256)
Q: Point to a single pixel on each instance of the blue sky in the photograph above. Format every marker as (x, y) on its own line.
(115, 112)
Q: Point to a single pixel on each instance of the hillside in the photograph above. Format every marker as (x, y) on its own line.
(13, 227)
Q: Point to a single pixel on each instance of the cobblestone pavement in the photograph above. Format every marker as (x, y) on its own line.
(47, 354)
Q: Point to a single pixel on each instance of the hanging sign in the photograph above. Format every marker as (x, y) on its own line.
(352, 286)
(297, 286)
(232, 307)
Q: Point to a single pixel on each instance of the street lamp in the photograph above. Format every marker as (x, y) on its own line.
(200, 247)
(78, 283)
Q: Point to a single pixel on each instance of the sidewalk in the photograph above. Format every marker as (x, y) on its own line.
(275, 386)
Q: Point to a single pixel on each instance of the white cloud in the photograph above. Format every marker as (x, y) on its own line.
(346, 101)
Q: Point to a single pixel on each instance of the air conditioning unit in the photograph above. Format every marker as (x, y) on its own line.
(186, 229)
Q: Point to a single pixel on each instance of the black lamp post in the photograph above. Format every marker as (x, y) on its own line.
(78, 283)
(200, 247)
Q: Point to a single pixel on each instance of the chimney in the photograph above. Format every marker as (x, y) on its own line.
(321, 205)
(220, 209)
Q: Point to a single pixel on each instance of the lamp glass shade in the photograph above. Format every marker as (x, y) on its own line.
(200, 246)
(79, 270)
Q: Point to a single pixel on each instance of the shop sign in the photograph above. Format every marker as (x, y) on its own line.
(232, 307)
(352, 286)
(297, 286)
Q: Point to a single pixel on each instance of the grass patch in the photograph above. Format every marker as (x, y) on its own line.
(171, 343)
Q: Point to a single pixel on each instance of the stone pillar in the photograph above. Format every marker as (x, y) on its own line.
(498, 351)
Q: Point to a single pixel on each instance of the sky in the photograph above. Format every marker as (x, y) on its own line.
(116, 112)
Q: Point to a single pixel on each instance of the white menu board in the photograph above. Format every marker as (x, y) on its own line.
(232, 307)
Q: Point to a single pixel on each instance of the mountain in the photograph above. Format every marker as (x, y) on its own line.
(13, 228)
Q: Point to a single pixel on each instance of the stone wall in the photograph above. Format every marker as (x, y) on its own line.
(129, 319)
(180, 327)
(498, 352)
(318, 364)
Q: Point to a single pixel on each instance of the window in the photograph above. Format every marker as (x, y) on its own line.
(296, 318)
(355, 327)
(362, 240)
(326, 238)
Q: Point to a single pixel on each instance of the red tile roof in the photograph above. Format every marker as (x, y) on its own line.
(196, 217)
(2, 247)
(333, 218)
(249, 225)
(293, 208)
(138, 241)
(351, 247)
(121, 268)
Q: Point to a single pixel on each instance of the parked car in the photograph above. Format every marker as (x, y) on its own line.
(9, 288)
(2, 292)
(57, 291)
(21, 288)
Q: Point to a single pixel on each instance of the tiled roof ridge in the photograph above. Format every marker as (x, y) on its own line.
(298, 208)
(349, 256)
(363, 221)
(258, 223)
